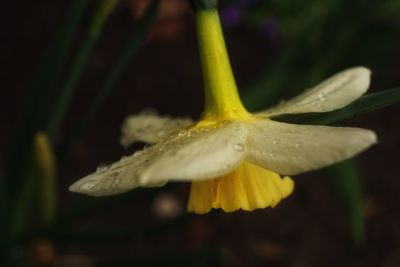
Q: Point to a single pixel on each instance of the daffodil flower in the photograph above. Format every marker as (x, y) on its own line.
(234, 159)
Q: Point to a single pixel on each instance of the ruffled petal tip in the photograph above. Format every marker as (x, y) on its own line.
(248, 187)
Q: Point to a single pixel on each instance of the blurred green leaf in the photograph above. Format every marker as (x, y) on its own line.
(62, 102)
(31, 118)
(51, 67)
(267, 89)
(138, 36)
(23, 163)
(346, 184)
(364, 104)
(21, 208)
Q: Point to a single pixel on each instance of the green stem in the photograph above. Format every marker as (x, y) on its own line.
(221, 95)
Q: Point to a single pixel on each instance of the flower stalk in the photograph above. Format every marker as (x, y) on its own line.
(221, 94)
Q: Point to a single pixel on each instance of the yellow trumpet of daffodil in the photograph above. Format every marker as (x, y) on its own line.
(234, 159)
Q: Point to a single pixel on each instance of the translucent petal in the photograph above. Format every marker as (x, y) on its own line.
(116, 178)
(248, 187)
(333, 93)
(197, 154)
(150, 128)
(291, 149)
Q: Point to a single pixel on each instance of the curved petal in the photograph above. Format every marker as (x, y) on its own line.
(333, 93)
(197, 154)
(291, 149)
(150, 128)
(189, 155)
(116, 178)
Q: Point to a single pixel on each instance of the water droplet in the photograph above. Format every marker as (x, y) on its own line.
(89, 185)
(275, 141)
(238, 147)
(102, 168)
(182, 133)
(322, 97)
(271, 155)
(296, 145)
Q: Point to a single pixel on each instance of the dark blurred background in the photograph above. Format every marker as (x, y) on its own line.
(277, 48)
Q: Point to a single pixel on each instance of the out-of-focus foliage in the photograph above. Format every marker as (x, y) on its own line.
(320, 38)
(312, 40)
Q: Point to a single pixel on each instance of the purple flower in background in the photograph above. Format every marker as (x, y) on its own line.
(231, 16)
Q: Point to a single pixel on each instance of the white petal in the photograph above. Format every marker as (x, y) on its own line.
(290, 149)
(116, 178)
(197, 155)
(150, 128)
(187, 155)
(333, 93)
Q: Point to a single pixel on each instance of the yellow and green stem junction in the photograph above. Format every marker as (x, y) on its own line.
(249, 186)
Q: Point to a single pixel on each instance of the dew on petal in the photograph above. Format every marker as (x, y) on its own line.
(322, 97)
(275, 141)
(238, 147)
(183, 133)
